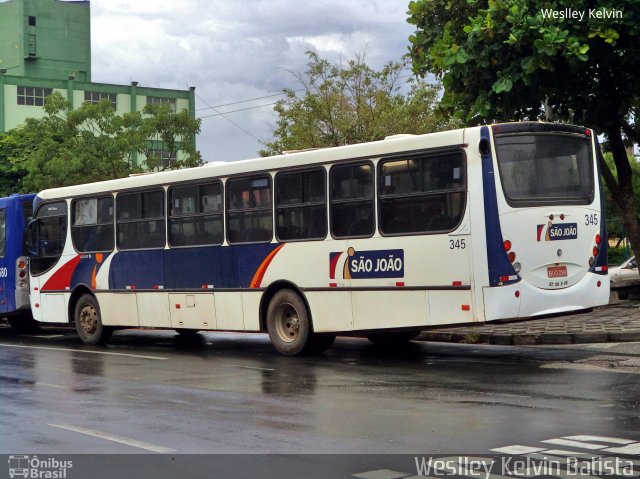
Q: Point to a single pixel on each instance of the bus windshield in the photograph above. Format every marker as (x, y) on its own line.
(545, 169)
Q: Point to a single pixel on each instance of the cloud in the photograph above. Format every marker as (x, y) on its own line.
(232, 51)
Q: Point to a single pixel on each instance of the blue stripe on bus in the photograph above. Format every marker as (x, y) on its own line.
(499, 265)
(180, 268)
(602, 256)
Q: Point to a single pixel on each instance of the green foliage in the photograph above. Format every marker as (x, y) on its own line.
(353, 103)
(522, 62)
(92, 143)
(503, 59)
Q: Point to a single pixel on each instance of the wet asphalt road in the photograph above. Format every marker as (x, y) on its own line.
(153, 391)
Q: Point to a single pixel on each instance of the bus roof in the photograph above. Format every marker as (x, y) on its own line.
(221, 169)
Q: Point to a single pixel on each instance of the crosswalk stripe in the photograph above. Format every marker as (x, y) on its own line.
(517, 449)
(572, 443)
(612, 440)
(631, 449)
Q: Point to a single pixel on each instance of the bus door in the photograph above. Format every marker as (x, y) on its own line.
(46, 237)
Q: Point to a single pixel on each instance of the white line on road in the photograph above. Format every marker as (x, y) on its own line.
(517, 449)
(112, 437)
(613, 440)
(631, 449)
(109, 353)
(570, 443)
(252, 367)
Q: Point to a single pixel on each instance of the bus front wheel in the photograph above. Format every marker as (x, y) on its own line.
(289, 323)
(88, 321)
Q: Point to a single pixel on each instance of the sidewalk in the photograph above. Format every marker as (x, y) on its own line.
(618, 322)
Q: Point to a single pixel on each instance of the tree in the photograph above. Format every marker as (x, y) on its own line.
(13, 146)
(518, 60)
(93, 143)
(349, 104)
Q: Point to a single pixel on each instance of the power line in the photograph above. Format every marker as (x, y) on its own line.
(229, 120)
(218, 113)
(247, 101)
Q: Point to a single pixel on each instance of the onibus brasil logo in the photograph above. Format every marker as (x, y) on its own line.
(37, 468)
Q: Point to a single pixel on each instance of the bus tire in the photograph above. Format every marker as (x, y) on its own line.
(88, 321)
(289, 323)
(391, 340)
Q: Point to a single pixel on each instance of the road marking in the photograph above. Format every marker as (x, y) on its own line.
(252, 367)
(49, 385)
(112, 437)
(381, 474)
(631, 449)
(517, 450)
(613, 440)
(108, 353)
(570, 443)
(43, 336)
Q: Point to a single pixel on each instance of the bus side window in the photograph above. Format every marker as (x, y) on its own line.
(140, 220)
(352, 200)
(422, 194)
(249, 210)
(301, 211)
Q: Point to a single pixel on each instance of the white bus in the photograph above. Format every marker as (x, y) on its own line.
(383, 239)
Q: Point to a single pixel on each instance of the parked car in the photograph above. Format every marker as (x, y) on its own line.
(627, 271)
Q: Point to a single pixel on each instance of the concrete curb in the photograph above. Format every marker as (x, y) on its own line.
(618, 323)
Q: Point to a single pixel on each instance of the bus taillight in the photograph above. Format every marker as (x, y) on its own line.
(21, 273)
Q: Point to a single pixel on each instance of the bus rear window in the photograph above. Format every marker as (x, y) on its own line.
(545, 169)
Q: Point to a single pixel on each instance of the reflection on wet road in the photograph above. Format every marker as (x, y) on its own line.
(150, 391)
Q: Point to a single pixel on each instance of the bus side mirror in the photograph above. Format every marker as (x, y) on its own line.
(31, 238)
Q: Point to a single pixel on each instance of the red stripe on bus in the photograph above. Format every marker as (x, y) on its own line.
(61, 279)
(262, 269)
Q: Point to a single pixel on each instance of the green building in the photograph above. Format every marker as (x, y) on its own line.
(45, 46)
(46, 39)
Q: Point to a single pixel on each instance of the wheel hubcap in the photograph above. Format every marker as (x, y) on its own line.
(288, 323)
(88, 319)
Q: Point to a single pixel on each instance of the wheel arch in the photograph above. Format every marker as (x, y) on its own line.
(270, 292)
(78, 291)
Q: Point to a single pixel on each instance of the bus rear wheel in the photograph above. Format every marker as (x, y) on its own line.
(289, 325)
(88, 321)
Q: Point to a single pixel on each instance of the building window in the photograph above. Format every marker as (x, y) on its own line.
(33, 96)
(166, 159)
(32, 21)
(157, 100)
(94, 97)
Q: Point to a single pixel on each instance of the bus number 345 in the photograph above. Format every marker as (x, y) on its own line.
(591, 220)
(457, 244)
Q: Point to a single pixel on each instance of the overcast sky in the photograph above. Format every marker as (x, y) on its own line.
(236, 50)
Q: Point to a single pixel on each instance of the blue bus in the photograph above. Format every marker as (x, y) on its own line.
(15, 213)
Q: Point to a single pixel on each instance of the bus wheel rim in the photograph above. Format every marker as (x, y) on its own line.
(287, 322)
(88, 319)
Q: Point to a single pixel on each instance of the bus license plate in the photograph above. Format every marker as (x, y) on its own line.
(557, 271)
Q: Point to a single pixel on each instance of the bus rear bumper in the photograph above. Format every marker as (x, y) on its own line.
(522, 300)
